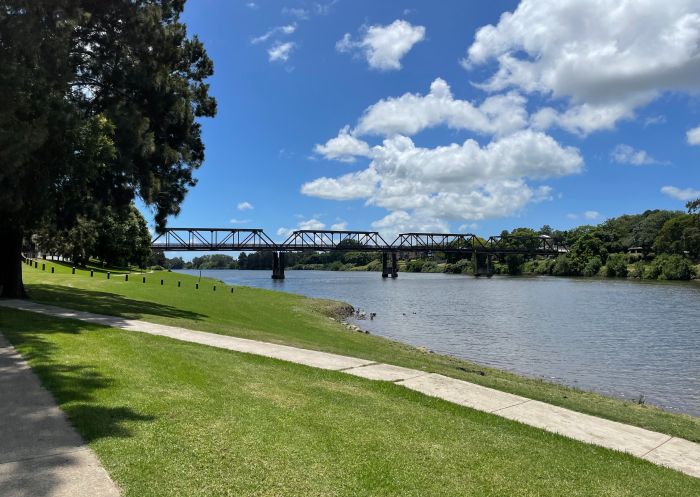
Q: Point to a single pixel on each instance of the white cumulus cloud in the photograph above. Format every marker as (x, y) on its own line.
(591, 215)
(340, 226)
(411, 113)
(384, 46)
(683, 194)
(604, 58)
(278, 30)
(280, 51)
(693, 136)
(244, 206)
(359, 184)
(467, 227)
(625, 154)
(304, 224)
(402, 222)
(456, 181)
(344, 147)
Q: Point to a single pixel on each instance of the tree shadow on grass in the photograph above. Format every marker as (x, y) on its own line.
(39, 449)
(111, 304)
(74, 385)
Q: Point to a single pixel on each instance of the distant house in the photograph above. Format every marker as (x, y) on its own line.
(636, 250)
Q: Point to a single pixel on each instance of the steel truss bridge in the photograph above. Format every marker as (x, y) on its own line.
(255, 240)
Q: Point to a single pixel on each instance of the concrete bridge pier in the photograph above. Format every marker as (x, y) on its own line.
(392, 270)
(483, 264)
(277, 265)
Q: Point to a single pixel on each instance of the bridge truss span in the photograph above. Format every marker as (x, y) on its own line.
(527, 245)
(437, 242)
(213, 239)
(328, 240)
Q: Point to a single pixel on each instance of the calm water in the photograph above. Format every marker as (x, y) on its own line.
(621, 338)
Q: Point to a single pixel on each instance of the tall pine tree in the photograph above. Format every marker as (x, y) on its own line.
(100, 105)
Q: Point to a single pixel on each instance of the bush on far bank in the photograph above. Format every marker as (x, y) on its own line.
(616, 266)
(669, 267)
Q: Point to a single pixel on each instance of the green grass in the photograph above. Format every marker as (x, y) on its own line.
(295, 320)
(170, 418)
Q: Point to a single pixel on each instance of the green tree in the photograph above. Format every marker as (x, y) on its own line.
(157, 258)
(645, 232)
(693, 206)
(100, 100)
(79, 241)
(123, 238)
(546, 230)
(175, 263)
(679, 235)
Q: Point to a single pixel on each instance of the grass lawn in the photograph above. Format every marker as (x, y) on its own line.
(295, 320)
(173, 418)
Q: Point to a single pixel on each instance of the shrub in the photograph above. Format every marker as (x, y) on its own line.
(415, 266)
(616, 266)
(562, 266)
(336, 266)
(670, 267)
(463, 266)
(653, 270)
(638, 270)
(429, 267)
(375, 265)
(593, 266)
(676, 267)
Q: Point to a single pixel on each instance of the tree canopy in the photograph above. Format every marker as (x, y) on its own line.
(101, 100)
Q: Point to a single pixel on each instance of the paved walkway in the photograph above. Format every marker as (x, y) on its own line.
(41, 455)
(679, 454)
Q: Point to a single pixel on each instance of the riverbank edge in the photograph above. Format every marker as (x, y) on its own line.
(443, 268)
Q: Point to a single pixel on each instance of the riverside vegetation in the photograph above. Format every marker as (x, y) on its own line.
(173, 418)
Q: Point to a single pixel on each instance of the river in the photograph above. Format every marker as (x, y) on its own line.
(621, 338)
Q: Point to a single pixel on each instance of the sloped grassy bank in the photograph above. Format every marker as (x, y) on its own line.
(296, 320)
(170, 418)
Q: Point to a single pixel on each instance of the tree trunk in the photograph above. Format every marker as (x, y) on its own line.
(11, 286)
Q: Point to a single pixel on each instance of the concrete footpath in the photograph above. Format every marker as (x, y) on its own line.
(658, 448)
(41, 455)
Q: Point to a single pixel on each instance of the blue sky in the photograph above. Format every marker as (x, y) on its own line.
(415, 116)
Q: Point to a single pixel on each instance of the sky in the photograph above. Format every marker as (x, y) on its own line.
(445, 116)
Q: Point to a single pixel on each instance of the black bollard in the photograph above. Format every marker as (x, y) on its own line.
(73, 270)
(161, 282)
(214, 287)
(43, 266)
(92, 273)
(231, 289)
(178, 284)
(52, 268)
(36, 265)
(126, 277)
(196, 286)
(144, 279)
(109, 275)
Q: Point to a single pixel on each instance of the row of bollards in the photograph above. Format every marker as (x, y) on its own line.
(109, 275)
